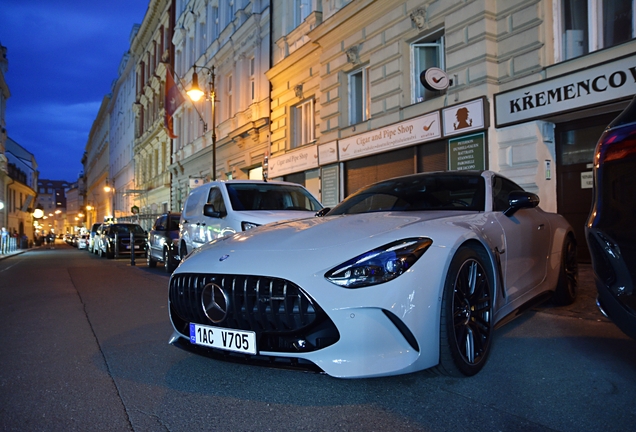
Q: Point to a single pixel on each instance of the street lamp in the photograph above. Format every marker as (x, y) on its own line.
(195, 93)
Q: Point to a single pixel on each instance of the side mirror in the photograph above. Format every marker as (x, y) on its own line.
(208, 210)
(519, 200)
(323, 211)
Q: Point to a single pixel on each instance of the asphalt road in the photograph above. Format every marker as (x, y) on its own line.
(83, 347)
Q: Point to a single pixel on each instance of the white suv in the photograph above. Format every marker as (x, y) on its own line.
(222, 208)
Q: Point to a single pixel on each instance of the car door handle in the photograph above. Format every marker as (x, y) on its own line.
(541, 226)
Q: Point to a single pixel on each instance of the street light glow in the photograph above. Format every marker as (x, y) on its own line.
(195, 93)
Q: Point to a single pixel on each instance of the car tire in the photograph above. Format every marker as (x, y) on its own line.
(466, 318)
(568, 283)
(168, 261)
(149, 260)
(109, 252)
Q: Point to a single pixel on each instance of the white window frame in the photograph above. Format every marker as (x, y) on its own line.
(565, 49)
(359, 103)
(304, 123)
(435, 40)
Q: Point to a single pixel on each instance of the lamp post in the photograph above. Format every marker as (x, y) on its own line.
(195, 93)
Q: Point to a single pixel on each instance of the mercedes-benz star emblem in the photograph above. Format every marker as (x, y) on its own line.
(215, 302)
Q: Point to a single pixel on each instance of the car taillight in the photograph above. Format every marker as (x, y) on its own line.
(615, 146)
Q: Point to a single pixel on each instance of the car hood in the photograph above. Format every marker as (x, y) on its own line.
(263, 217)
(324, 232)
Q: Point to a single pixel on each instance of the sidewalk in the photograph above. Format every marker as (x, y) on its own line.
(15, 252)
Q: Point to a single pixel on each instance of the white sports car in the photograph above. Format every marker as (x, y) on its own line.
(406, 274)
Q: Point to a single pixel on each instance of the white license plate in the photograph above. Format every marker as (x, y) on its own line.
(222, 338)
(136, 247)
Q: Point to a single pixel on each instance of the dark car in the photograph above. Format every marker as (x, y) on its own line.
(163, 242)
(116, 240)
(611, 226)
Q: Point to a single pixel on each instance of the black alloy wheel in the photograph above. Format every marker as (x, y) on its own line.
(568, 283)
(467, 314)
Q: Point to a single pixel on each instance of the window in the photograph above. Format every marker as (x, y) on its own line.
(303, 123)
(215, 197)
(302, 8)
(359, 96)
(252, 83)
(230, 12)
(215, 23)
(229, 96)
(590, 25)
(426, 53)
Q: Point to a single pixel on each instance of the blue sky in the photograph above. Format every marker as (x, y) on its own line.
(63, 58)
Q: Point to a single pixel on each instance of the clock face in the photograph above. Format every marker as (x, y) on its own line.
(434, 79)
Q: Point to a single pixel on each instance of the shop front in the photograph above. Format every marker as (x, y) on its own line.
(579, 105)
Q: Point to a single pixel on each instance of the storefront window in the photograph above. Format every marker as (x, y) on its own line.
(577, 146)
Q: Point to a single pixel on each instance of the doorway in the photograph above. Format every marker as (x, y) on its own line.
(576, 141)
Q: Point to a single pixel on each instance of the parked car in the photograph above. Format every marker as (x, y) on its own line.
(82, 241)
(91, 238)
(406, 274)
(115, 240)
(611, 226)
(163, 242)
(221, 208)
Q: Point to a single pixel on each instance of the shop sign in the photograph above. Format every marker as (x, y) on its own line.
(587, 180)
(405, 133)
(463, 118)
(328, 153)
(330, 186)
(196, 182)
(467, 153)
(298, 160)
(595, 85)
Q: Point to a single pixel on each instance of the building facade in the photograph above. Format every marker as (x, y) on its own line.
(529, 87)
(51, 199)
(20, 191)
(228, 45)
(96, 161)
(152, 53)
(122, 135)
(4, 167)
(337, 94)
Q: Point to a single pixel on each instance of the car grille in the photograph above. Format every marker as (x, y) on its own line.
(283, 316)
(124, 241)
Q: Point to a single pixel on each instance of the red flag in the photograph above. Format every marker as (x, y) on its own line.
(173, 100)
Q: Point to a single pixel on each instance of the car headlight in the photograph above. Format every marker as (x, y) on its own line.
(379, 265)
(248, 225)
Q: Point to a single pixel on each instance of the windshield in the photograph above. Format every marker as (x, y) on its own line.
(251, 196)
(128, 229)
(439, 191)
